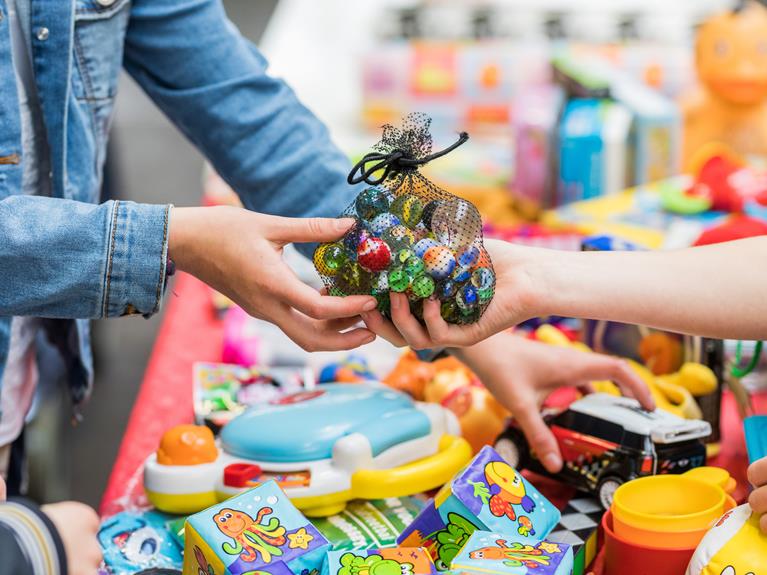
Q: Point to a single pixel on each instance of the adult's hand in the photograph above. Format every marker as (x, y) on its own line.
(521, 374)
(239, 253)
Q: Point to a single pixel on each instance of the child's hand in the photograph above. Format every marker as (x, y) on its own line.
(239, 253)
(522, 373)
(2, 489)
(757, 475)
(78, 526)
(517, 297)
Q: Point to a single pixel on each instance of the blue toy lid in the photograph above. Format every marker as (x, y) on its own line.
(304, 426)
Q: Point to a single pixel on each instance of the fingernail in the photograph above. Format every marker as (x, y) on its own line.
(368, 339)
(394, 301)
(370, 305)
(552, 462)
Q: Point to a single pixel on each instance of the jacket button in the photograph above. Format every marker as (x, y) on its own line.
(105, 3)
(42, 34)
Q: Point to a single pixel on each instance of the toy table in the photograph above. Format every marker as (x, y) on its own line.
(190, 332)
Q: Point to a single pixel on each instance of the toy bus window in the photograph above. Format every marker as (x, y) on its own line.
(565, 419)
(599, 428)
(637, 441)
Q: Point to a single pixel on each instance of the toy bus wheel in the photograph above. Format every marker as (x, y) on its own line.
(606, 490)
(511, 445)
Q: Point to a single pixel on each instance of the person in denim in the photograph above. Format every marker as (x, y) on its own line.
(67, 258)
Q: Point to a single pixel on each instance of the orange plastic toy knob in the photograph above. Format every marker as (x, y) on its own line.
(187, 445)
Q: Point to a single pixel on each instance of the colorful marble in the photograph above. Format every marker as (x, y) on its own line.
(428, 213)
(398, 237)
(353, 279)
(456, 223)
(398, 280)
(408, 208)
(354, 237)
(382, 222)
(422, 245)
(374, 255)
(467, 298)
(439, 261)
(423, 286)
(483, 279)
(468, 256)
(414, 266)
(461, 274)
(403, 256)
(371, 202)
(328, 258)
(447, 289)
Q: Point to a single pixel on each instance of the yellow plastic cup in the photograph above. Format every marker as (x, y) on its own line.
(666, 511)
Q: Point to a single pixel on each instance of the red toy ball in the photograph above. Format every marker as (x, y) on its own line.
(374, 254)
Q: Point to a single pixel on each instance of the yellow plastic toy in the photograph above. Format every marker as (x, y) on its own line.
(730, 106)
(733, 546)
(672, 392)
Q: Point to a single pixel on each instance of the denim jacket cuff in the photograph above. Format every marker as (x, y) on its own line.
(137, 259)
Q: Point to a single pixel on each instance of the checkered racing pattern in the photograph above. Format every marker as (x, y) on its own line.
(578, 527)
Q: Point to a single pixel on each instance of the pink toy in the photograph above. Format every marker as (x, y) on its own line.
(242, 344)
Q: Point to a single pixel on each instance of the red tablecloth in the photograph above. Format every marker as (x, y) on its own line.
(190, 332)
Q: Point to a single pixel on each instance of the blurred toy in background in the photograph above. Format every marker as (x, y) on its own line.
(731, 105)
(257, 531)
(454, 386)
(606, 441)
(488, 494)
(241, 338)
(352, 369)
(325, 447)
(223, 391)
(411, 374)
(537, 235)
(722, 182)
(505, 554)
(132, 541)
(672, 392)
(536, 113)
(390, 561)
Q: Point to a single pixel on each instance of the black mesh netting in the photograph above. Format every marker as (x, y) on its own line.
(410, 236)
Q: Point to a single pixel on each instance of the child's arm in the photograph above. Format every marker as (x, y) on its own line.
(54, 539)
(29, 542)
(716, 291)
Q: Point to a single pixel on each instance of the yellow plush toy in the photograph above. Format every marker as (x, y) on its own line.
(672, 392)
(733, 546)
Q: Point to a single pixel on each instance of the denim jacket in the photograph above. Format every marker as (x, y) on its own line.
(68, 256)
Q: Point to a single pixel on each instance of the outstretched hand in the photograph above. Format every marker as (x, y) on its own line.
(515, 300)
(521, 374)
(239, 253)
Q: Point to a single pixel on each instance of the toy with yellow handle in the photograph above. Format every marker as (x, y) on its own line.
(324, 447)
(673, 392)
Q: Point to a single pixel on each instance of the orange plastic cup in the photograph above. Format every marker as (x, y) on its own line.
(666, 511)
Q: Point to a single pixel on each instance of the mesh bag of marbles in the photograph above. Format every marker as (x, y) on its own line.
(410, 236)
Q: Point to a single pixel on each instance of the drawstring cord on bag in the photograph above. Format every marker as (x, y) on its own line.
(396, 161)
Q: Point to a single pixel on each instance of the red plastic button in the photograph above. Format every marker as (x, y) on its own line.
(240, 474)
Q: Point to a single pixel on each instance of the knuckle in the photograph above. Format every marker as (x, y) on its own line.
(316, 226)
